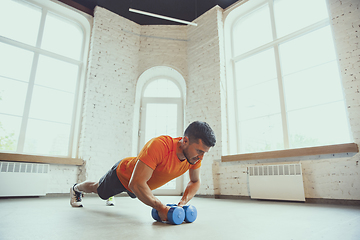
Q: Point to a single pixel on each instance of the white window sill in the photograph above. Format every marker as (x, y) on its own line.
(331, 149)
(40, 159)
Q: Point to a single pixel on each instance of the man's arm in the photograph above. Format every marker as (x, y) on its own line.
(192, 187)
(138, 184)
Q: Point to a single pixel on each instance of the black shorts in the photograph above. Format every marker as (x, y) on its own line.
(110, 185)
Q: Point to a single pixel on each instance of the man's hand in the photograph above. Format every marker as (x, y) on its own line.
(163, 213)
(181, 203)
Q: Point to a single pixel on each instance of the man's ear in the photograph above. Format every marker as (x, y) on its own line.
(186, 141)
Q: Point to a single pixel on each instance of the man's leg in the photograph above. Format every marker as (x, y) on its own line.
(108, 186)
(87, 187)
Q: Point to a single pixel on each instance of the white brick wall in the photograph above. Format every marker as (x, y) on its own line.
(109, 94)
(163, 46)
(203, 86)
(345, 16)
(62, 177)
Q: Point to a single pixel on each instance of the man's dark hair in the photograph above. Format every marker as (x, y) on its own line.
(200, 130)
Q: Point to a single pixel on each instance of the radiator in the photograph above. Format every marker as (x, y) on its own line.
(276, 182)
(23, 179)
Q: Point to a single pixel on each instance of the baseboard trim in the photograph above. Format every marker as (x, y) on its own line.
(223, 196)
(333, 201)
(345, 202)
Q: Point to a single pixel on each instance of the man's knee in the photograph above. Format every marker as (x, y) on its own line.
(130, 194)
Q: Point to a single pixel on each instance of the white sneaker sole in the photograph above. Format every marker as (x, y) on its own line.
(76, 204)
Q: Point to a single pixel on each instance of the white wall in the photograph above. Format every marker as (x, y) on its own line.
(203, 90)
(62, 177)
(163, 46)
(106, 134)
(121, 50)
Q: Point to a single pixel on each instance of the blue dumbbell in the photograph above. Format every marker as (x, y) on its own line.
(190, 213)
(175, 215)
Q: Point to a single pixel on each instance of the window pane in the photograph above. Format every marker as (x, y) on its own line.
(15, 62)
(290, 14)
(257, 88)
(19, 21)
(252, 31)
(9, 132)
(56, 74)
(162, 88)
(314, 86)
(307, 51)
(261, 134)
(169, 185)
(47, 138)
(256, 69)
(62, 37)
(259, 100)
(161, 119)
(321, 125)
(12, 96)
(51, 105)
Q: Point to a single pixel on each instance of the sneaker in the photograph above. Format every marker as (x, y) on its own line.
(110, 201)
(75, 198)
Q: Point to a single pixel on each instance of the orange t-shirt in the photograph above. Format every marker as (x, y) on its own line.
(160, 155)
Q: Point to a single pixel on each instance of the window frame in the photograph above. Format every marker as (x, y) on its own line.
(233, 15)
(84, 22)
(159, 100)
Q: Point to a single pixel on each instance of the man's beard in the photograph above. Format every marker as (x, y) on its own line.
(187, 158)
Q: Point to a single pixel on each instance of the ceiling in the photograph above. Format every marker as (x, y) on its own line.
(187, 10)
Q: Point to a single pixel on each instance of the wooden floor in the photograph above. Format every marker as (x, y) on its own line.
(53, 218)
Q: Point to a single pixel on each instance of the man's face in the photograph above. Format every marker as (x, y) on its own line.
(195, 151)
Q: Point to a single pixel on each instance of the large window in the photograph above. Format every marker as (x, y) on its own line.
(161, 110)
(42, 53)
(284, 86)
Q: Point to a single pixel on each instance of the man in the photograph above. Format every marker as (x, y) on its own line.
(161, 160)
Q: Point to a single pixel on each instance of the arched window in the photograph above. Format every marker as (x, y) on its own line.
(43, 61)
(160, 99)
(161, 109)
(283, 83)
